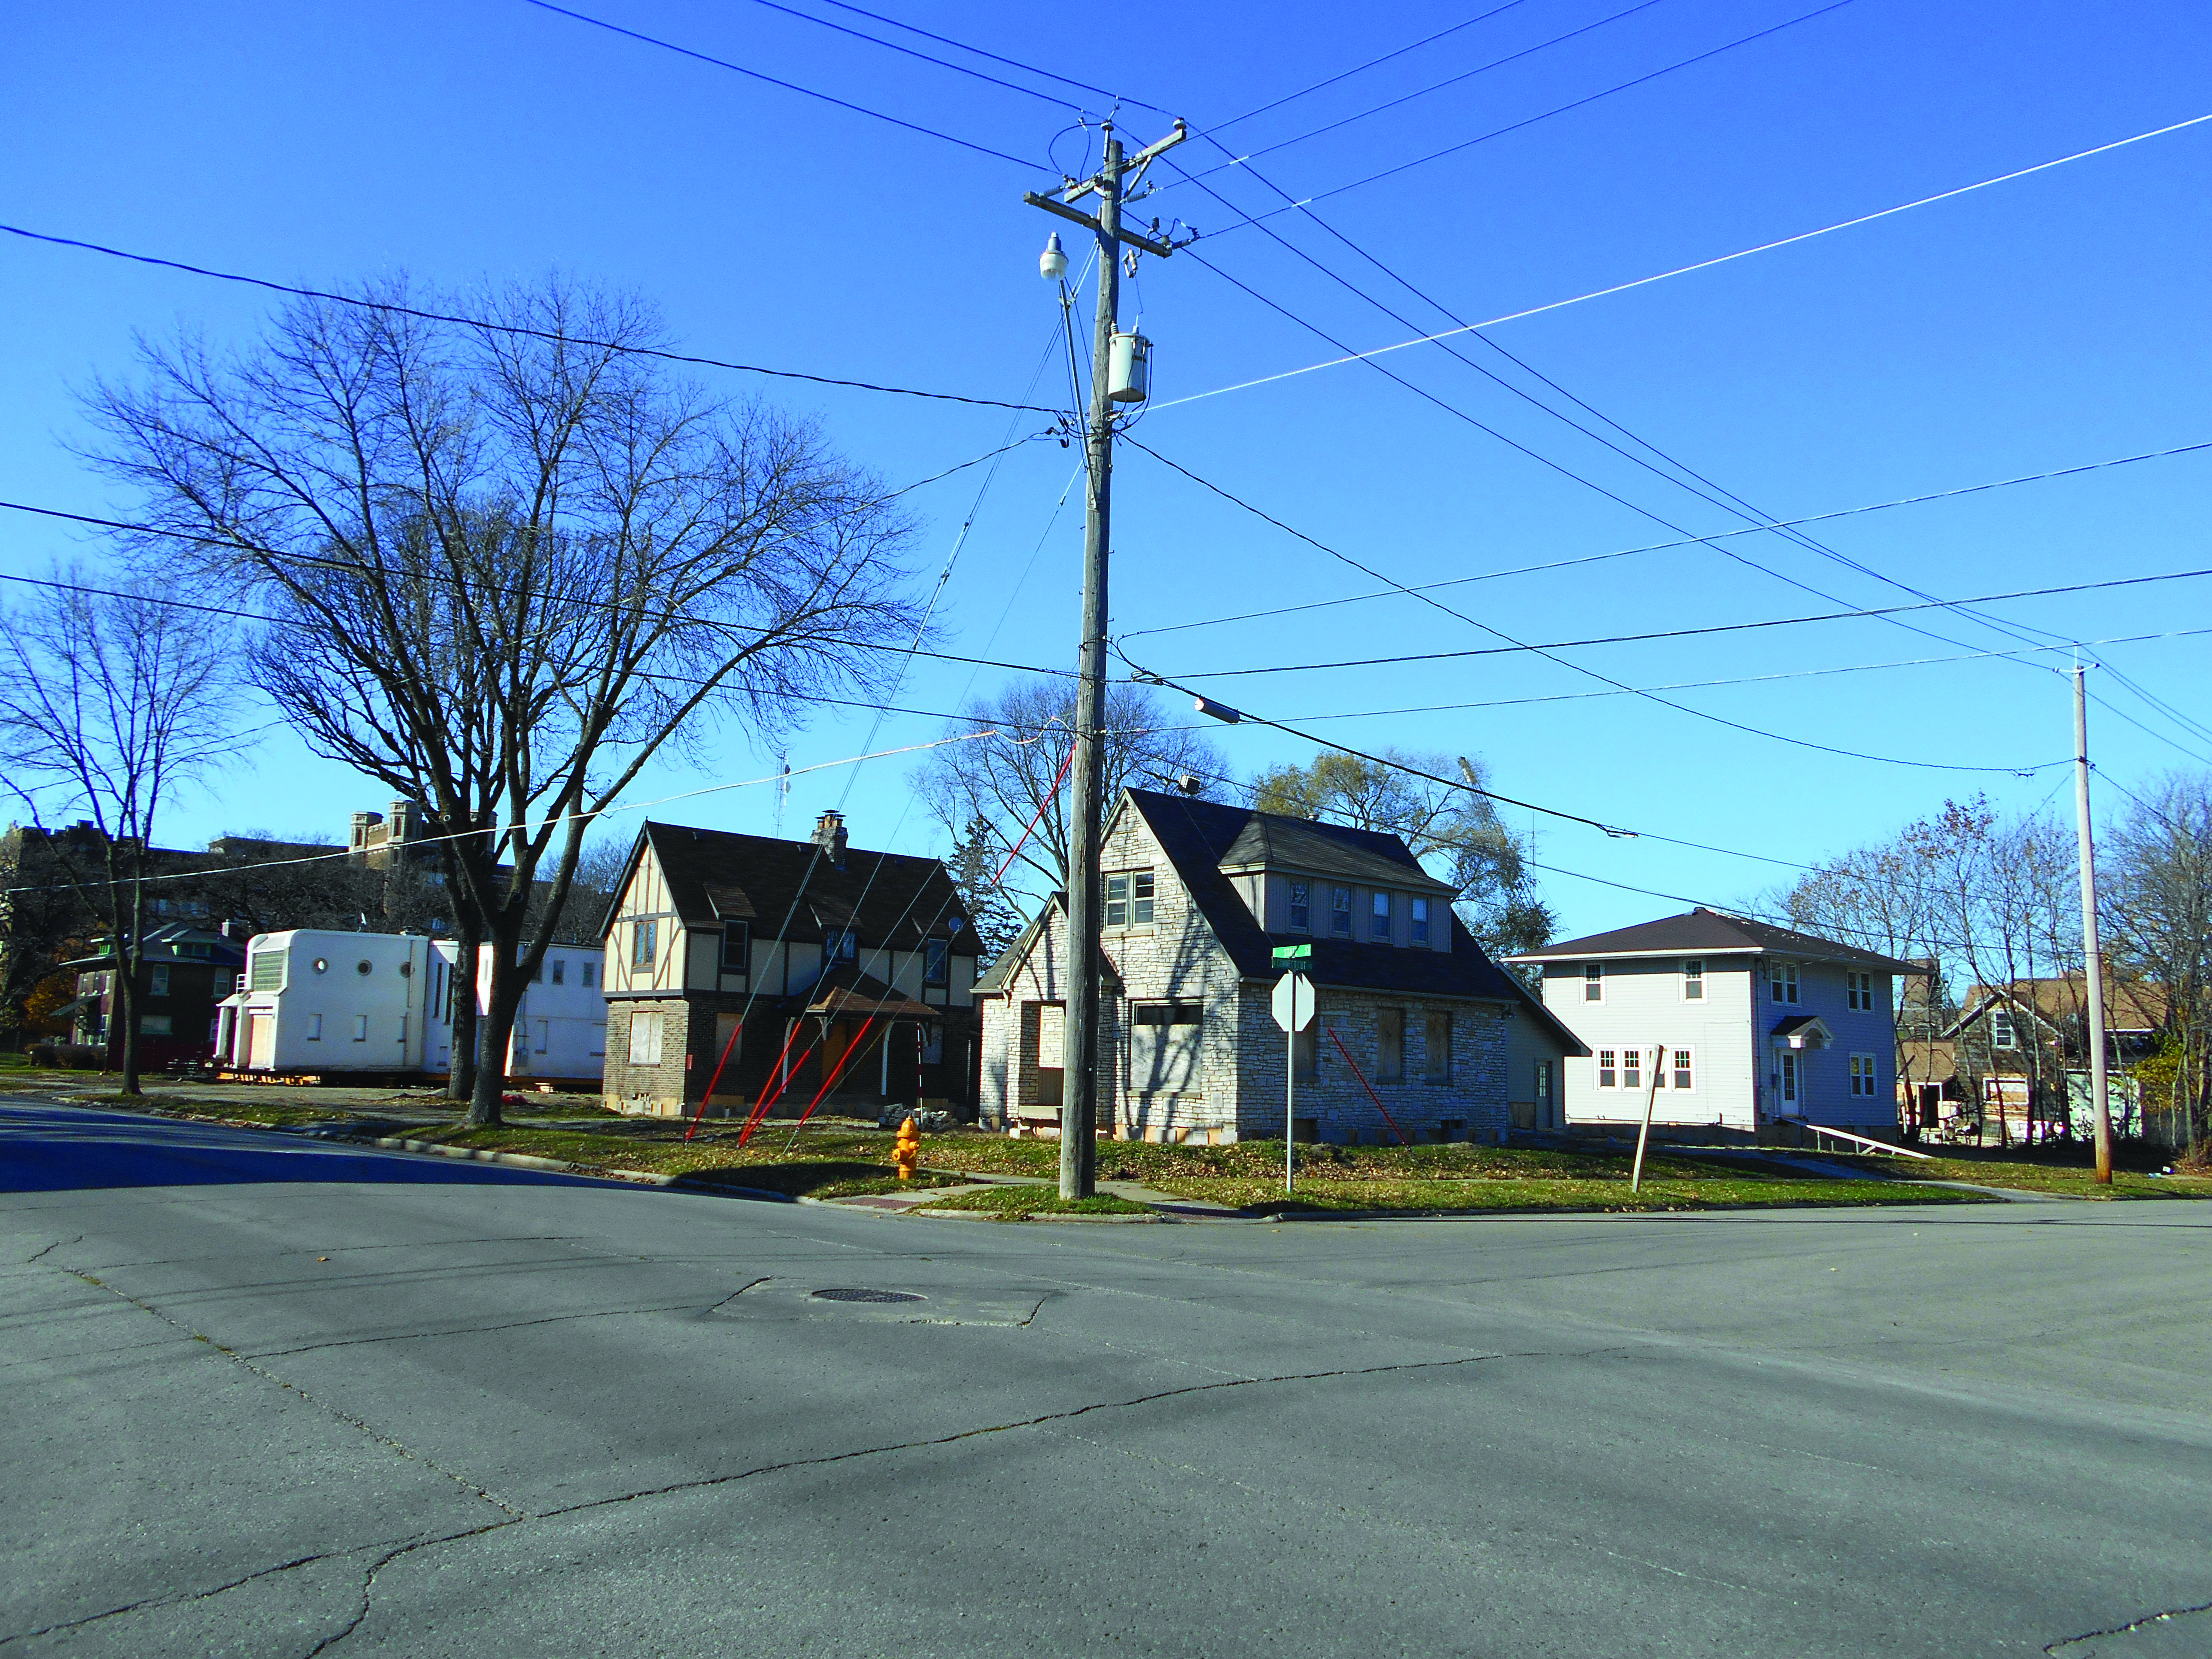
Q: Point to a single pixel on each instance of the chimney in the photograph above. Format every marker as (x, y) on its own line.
(829, 832)
(362, 823)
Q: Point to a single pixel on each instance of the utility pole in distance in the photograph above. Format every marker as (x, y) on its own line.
(1078, 1111)
(2092, 958)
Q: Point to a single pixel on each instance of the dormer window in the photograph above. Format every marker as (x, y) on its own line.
(840, 945)
(1301, 907)
(1379, 926)
(1419, 923)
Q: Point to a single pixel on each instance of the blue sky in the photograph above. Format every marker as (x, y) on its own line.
(2038, 325)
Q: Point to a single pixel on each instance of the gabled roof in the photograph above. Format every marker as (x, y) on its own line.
(2129, 1007)
(1708, 933)
(1306, 847)
(713, 876)
(1802, 1031)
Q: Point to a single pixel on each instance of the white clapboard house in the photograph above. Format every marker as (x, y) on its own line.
(316, 1002)
(1764, 1028)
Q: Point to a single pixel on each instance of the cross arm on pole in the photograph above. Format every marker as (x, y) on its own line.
(1146, 244)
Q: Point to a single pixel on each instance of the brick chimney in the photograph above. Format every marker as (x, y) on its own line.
(829, 832)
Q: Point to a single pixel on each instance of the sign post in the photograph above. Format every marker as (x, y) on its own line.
(1294, 1005)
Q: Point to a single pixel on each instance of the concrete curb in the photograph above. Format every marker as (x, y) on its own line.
(556, 1166)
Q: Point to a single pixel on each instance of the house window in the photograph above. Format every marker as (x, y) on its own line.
(737, 947)
(936, 961)
(1435, 1053)
(1632, 1068)
(1379, 927)
(1607, 1074)
(1129, 900)
(1862, 1075)
(314, 1028)
(361, 1028)
(1593, 982)
(932, 1045)
(1544, 1085)
(1163, 1043)
(2002, 1034)
(591, 973)
(1340, 912)
(544, 1035)
(1694, 979)
(644, 943)
(1792, 1077)
(153, 1025)
(840, 945)
(1683, 1076)
(1782, 982)
(1419, 924)
(157, 982)
(1389, 1045)
(1301, 907)
(645, 1039)
(560, 970)
(1858, 990)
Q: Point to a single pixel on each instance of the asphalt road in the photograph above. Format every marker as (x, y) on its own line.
(267, 1397)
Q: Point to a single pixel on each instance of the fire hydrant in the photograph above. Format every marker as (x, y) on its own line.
(906, 1151)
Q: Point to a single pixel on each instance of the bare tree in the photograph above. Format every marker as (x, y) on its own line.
(2158, 886)
(510, 562)
(1020, 777)
(110, 699)
(1485, 863)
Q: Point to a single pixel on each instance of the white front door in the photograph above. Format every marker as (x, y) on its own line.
(1790, 1069)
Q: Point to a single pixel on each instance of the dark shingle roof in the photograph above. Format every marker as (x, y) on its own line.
(1703, 932)
(1197, 835)
(889, 898)
(1325, 850)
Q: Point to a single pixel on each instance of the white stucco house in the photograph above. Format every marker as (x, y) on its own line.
(1416, 1026)
(316, 1002)
(1762, 1028)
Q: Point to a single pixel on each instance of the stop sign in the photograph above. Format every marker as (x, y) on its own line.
(1294, 1002)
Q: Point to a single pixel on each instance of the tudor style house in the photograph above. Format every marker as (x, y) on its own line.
(1416, 1026)
(1763, 1029)
(740, 968)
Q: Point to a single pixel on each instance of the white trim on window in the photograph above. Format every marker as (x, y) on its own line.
(1693, 979)
(1865, 1076)
(1593, 982)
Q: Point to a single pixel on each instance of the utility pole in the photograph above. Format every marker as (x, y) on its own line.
(2093, 957)
(1078, 1111)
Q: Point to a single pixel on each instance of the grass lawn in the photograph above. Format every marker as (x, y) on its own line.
(840, 1157)
(2068, 1177)
(1019, 1203)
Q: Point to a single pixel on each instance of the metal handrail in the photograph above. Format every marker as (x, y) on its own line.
(1877, 1145)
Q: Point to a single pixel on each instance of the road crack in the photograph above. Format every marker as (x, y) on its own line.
(481, 1330)
(2057, 1648)
(1073, 1412)
(50, 1249)
(324, 1406)
(186, 1597)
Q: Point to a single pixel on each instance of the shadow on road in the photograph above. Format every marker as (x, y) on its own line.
(58, 1149)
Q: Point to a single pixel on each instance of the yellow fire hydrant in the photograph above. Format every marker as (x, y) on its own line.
(906, 1151)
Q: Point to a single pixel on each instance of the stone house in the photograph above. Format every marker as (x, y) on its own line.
(1197, 895)
(741, 968)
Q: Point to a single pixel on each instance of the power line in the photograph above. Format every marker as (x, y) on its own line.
(1011, 63)
(1236, 161)
(1679, 271)
(361, 567)
(513, 329)
(1361, 69)
(908, 51)
(1563, 109)
(788, 86)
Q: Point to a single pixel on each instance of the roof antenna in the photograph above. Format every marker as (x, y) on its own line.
(783, 791)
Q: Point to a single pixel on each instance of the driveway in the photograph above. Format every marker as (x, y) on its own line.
(272, 1397)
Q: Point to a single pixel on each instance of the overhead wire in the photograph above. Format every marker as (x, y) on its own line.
(788, 86)
(394, 308)
(1361, 69)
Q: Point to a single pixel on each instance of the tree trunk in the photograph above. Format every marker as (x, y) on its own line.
(461, 1077)
(495, 1035)
(127, 953)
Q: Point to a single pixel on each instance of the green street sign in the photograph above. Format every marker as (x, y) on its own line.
(1293, 952)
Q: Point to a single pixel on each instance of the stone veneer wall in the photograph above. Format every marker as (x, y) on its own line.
(657, 1091)
(1474, 1098)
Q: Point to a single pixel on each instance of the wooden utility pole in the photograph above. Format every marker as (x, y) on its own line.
(1078, 1111)
(2092, 956)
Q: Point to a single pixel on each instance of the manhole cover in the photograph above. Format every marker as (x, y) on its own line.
(851, 1295)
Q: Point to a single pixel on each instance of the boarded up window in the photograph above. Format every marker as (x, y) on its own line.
(1164, 1039)
(1052, 1036)
(1437, 1056)
(1389, 1045)
(645, 1039)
